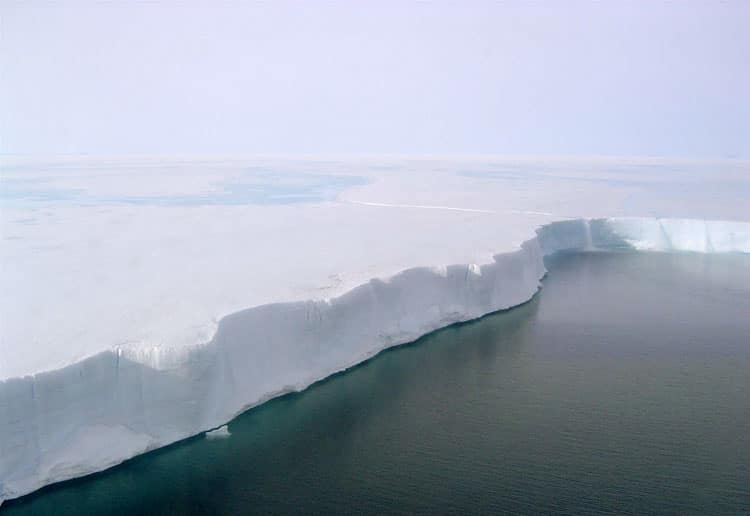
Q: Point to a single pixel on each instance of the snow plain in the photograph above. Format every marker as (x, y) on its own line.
(145, 301)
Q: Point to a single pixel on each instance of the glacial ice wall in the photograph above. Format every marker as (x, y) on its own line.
(120, 403)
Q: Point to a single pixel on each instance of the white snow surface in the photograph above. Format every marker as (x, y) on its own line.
(146, 301)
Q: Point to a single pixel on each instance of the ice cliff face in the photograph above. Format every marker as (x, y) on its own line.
(119, 403)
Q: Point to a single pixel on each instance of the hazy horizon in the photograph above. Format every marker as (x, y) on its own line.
(572, 79)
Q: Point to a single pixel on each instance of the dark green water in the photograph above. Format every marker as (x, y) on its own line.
(622, 388)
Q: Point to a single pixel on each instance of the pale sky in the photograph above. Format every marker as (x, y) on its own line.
(558, 77)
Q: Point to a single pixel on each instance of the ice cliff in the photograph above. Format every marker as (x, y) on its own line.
(122, 402)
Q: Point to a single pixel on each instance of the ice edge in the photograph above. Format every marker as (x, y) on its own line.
(107, 408)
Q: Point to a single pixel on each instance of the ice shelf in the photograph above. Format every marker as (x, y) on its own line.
(156, 366)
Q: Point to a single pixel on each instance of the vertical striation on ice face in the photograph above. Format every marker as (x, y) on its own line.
(119, 403)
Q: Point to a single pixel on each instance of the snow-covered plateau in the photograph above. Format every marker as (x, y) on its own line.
(146, 301)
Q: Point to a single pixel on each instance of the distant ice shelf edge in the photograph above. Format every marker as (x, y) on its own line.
(120, 403)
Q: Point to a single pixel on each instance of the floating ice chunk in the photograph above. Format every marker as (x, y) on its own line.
(220, 433)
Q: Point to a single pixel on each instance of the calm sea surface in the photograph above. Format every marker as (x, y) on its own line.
(624, 387)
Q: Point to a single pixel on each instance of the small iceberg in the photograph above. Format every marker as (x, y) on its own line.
(220, 433)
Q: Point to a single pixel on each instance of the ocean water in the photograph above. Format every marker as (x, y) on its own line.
(621, 388)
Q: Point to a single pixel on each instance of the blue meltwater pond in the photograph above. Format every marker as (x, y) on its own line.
(620, 388)
(251, 186)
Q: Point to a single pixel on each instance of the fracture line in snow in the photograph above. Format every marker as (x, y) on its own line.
(421, 207)
(448, 208)
(530, 212)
